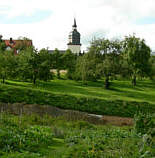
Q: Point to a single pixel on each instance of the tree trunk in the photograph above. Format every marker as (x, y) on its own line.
(3, 81)
(107, 83)
(134, 81)
(58, 73)
(34, 79)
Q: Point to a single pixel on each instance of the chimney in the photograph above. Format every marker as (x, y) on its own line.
(11, 41)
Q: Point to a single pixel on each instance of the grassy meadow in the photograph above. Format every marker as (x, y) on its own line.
(121, 100)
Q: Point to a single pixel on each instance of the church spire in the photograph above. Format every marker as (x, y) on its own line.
(74, 23)
(74, 39)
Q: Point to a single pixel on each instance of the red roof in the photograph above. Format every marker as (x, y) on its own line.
(14, 43)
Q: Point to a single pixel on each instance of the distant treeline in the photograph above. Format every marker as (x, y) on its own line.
(129, 58)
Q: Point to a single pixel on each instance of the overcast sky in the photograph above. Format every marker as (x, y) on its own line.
(48, 22)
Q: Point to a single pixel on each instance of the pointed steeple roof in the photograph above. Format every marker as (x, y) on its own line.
(74, 23)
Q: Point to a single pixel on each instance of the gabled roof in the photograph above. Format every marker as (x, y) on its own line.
(15, 43)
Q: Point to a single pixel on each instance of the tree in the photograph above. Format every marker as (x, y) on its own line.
(69, 63)
(102, 59)
(8, 65)
(44, 65)
(86, 67)
(57, 61)
(111, 61)
(2, 45)
(29, 64)
(152, 63)
(137, 54)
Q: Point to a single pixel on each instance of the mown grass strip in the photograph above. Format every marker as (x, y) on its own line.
(12, 94)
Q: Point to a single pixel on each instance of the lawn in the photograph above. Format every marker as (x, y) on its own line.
(121, 100)
(120, 90)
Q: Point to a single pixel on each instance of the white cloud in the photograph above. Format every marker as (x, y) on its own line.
(113, 18)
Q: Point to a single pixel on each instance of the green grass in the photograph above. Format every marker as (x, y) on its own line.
(122, 99)
(120, 90)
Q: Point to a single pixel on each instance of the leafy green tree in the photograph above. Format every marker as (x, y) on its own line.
(111, 63)
(125, 71)
(69, 63)
(152, 63)
(44, 65)
(2, 45)
(57, 61)
(86, 67)
(109, 53)
(103, 59)
(137, 54)
(29, 64)
(8, 65)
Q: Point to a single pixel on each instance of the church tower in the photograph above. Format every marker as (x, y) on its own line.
(74, 39)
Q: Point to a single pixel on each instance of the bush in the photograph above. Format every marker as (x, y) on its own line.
(22, 155)
(143, 123)
(28, 139)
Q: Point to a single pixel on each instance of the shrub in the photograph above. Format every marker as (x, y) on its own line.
(143, 122)
(19, 139)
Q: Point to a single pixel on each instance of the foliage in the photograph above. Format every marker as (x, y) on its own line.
(8, 64)
(69, 62)
(57, 61)
(137, 54)
(86, 67)
(80, 140)
(111, 64)
(28, 64)
(45, 65)
(33, 65)
(152, 65)
(101, 143)
(143, 122)
(20, 139)
(104, 59)
(2, 46)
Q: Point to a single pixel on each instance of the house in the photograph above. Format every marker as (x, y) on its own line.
(16, 45)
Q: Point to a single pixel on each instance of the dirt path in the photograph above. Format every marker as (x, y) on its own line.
(70, 115)
(119, 121)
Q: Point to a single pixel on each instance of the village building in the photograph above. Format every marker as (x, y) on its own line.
(16, 45)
